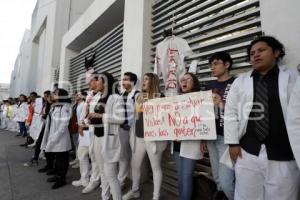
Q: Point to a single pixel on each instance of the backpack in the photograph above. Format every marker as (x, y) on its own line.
(73, 123)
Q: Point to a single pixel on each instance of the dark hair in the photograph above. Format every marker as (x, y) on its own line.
(47, 92)
(33, 94)
(109, 81)
(133, 78)
(83, 93)
(196, 83)
(24, 96)
(221, 55)
(271, 42)
(63, 96)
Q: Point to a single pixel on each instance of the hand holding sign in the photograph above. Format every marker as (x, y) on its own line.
(184, 117)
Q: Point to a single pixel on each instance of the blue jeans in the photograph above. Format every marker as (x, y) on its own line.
(23, 129)
(185, 168)
(223, 175)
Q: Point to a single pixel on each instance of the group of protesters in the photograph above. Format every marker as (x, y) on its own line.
(257, 121)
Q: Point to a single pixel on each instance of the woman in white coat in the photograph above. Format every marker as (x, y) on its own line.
(139, 146)
(187, 152)
(21, 114)
(56, 138)
(108, 116)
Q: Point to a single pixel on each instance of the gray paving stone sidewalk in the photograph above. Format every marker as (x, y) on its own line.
(25, 183)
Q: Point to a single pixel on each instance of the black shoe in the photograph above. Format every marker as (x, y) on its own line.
(24, 145)
(18, 135)
(51, 172)
(53, 179)
(58, 184)
(219, 195)
(44, 169)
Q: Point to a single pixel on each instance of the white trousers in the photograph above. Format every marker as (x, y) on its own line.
(136, 162)
(258, 178)
(95, 172)
(124, 157)
(108, 173)
(84, 163)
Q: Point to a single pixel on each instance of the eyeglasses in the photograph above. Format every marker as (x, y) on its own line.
(185, 80)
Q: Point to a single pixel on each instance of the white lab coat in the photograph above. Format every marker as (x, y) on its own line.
(57, 137)
(21, 112)
(36, 123)
(240, 101)
(169, 59)
(293, 121)
(113, 117)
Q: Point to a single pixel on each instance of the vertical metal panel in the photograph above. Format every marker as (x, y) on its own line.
(108, 58)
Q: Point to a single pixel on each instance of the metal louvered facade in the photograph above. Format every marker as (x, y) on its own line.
(108, 58)
(208, 26)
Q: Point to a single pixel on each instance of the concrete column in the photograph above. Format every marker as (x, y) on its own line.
(281, 20)
(66, 55)
(137, 37)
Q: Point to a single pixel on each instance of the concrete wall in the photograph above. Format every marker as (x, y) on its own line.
(77, 8)
(51, 20)
(282, 20)
(90, 27)
(4, 91)
(137, 32)
(19, 78)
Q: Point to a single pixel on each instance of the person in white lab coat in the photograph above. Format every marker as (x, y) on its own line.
(293, 120)
(256, 129)
(88, 130)
(56, 138)
(129, 82)
(83, 146)
(108, 115)
(21, 114)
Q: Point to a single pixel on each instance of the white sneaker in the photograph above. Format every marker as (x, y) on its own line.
(31, 145)
(90, 187)
(75, 166)
(131, 195)
(73, 162)
(84, 183)
(77, 183)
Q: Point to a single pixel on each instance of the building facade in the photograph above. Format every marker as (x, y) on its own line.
(123, 35)
(37, 65)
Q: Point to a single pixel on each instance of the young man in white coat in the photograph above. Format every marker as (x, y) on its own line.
(293, 120)
(84, 128)
(129, 95)
(255, 126)
(83, 146)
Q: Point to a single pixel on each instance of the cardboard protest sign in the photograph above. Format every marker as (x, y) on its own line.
(184, 117)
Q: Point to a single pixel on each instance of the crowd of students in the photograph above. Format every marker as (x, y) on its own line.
(257, 122)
